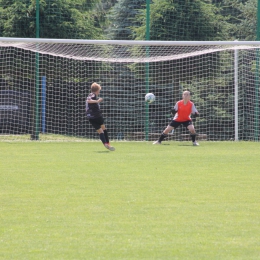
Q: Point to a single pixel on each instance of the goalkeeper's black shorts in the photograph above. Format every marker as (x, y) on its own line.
(175, 124)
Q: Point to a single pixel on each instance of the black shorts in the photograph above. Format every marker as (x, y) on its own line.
(97, 122)
(175, 124)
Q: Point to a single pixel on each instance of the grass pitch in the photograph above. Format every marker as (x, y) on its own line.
(171, 201)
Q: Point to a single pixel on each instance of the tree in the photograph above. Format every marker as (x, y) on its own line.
(122, 18)
(183, 20)
(243, 19)
(101, 10)
(58, 19)
(14, 20)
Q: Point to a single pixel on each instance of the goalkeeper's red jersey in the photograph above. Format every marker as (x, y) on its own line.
(184, 111)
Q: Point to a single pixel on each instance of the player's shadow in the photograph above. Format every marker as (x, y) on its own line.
(184, 144)
(103, 152)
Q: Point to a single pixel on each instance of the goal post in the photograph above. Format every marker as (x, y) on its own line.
(44, 84)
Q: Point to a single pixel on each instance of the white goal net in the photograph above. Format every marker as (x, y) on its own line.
(44, 84)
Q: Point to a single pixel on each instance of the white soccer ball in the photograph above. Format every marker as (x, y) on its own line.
(149, 98)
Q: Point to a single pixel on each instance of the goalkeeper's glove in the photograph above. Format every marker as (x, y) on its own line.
(194, 116)
(173, 112)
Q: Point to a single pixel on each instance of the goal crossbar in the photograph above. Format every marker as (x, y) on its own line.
(129, 42)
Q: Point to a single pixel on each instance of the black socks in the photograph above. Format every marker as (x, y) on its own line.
(106, 136)
(102, 138)
(193, 137)
(162, 137)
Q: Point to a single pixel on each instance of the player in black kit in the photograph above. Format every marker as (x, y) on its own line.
(94, 115)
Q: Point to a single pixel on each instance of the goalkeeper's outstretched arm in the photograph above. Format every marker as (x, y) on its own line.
(194, 115)
(194, 111)
(173, 111)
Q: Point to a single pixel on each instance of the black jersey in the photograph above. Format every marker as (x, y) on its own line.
(93, 109)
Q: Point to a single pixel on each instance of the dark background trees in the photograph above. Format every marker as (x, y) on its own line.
(58, 19)
(126, 19)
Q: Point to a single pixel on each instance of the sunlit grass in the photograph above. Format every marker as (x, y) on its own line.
(77, 200)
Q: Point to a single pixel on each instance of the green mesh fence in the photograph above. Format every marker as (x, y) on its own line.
(169, 20)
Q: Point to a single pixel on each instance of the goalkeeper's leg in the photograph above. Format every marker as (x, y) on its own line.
(164, 134)
(193, 135)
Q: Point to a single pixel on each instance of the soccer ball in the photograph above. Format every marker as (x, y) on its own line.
(149, 98)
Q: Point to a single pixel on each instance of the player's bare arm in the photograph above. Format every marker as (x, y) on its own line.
(91, 101)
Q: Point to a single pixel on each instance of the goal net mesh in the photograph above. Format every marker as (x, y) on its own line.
(43, 89)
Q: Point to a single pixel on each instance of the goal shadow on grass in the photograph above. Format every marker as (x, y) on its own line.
(186, 145)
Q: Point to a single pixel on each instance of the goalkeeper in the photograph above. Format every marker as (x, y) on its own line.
(94, 115)
(181, 112)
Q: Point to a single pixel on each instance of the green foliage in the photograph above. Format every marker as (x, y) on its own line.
(243, 26)
(14, 20)
(126, 19)
(183, 20)
(100, 11)
(58, 19)
(122, 19)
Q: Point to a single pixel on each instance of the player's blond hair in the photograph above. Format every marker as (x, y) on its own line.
(186, 91)
(95, 87)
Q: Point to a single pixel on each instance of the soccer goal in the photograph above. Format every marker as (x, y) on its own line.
(44, 84)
